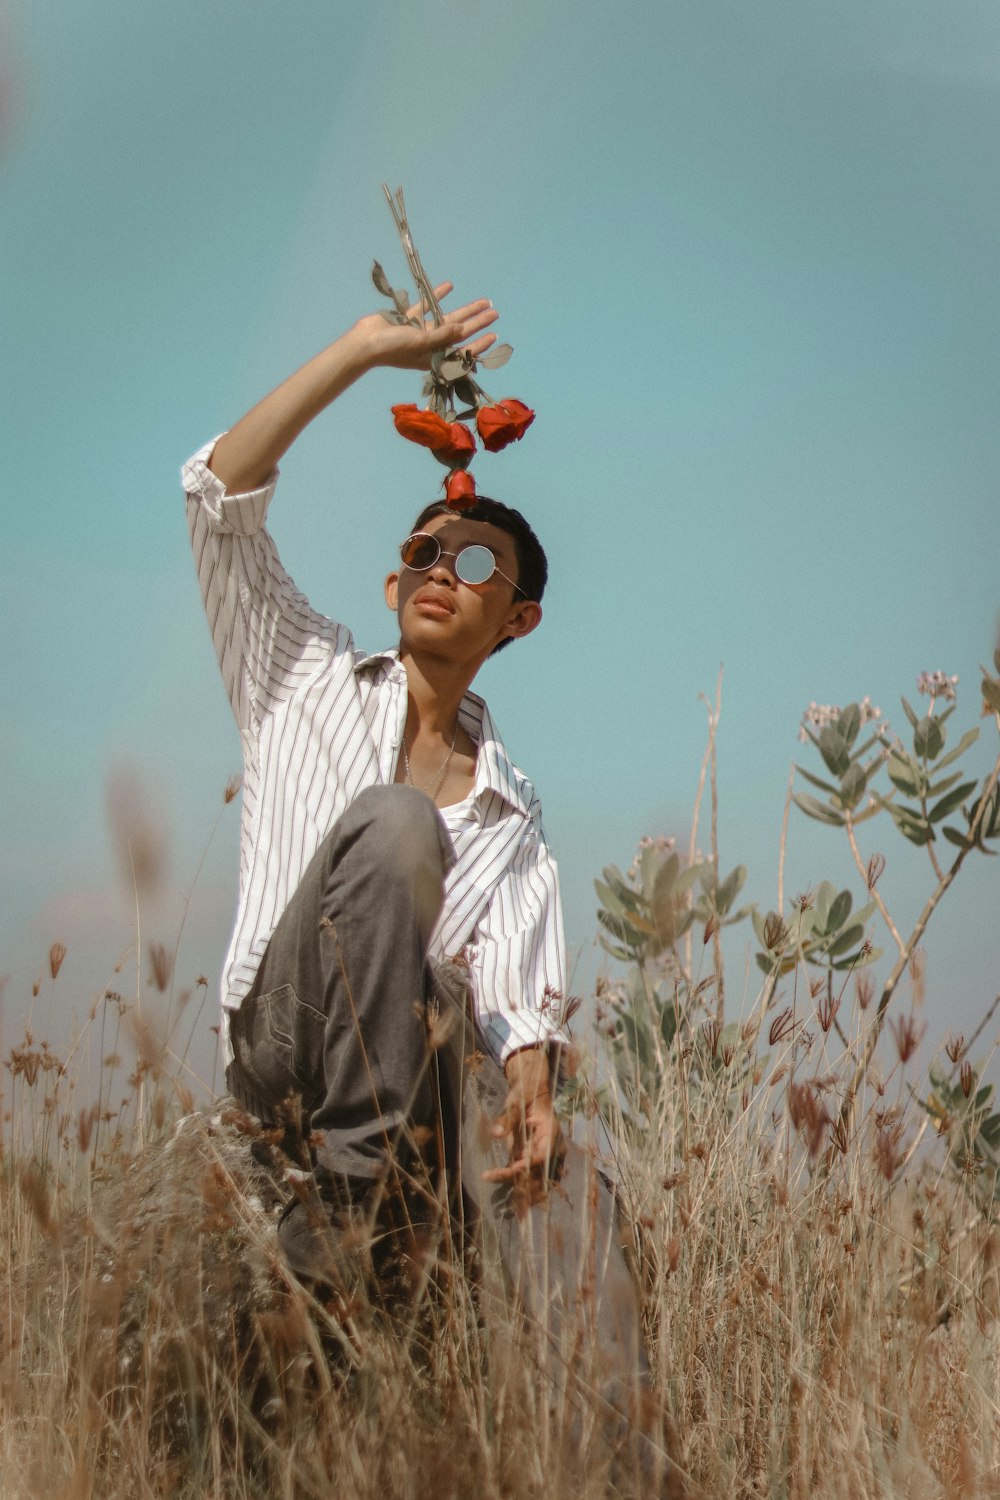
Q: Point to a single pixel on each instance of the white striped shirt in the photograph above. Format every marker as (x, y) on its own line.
(319, 722)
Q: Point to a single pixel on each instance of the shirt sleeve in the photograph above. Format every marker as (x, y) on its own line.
(267, 636)
(517, 957)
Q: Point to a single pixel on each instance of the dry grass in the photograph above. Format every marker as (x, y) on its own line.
(819, 1322)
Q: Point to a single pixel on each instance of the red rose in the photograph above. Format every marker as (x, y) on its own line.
(504, 423)
(424, 427)
(460, 447)
(460, 490)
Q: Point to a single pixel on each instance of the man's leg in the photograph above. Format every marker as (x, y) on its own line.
(337, 1012)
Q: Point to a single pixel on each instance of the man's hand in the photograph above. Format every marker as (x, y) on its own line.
(245, 457)
(405, 347)
(529, 1123)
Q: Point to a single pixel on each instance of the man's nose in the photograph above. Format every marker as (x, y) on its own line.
(443, 571)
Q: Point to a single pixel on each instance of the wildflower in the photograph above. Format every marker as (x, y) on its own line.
(818, 716)
(937, 685)
(868, 710)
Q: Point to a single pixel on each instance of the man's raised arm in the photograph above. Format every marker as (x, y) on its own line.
(247, 455)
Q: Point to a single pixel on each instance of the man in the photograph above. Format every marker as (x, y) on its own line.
(352, 886)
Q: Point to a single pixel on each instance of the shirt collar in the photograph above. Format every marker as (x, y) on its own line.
(495, 771)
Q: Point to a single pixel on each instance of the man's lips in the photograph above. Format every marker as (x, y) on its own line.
(434, 601)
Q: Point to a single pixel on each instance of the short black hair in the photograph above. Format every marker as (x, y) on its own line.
(532, 564)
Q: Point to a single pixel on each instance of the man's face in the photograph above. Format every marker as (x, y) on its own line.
(440, 615)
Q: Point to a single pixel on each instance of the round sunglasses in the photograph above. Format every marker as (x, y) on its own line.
(473, 564)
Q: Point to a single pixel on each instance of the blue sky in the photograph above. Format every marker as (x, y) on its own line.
(746, 254)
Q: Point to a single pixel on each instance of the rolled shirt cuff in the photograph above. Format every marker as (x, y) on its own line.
(240, 515)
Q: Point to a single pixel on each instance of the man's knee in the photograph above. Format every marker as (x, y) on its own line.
(401, 826)
(393, 834)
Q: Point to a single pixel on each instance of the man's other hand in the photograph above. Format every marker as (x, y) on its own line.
(530, 1126)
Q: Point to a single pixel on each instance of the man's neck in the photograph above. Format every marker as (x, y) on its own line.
(436, 689)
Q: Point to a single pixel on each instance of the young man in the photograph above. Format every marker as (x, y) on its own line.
(384, 829)
(384, 834)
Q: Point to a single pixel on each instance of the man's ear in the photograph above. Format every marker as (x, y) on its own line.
(523, 619)
(392, 591)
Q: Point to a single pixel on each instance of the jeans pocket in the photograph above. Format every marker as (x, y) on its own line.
(283, 1041)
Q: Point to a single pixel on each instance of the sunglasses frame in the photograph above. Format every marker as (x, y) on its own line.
(443, 552)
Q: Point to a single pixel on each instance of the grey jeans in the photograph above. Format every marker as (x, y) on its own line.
(338, 1013)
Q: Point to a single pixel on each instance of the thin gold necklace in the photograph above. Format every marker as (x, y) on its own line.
(432, 788)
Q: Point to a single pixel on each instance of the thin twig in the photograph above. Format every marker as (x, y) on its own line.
(862, 871)
(784, 839)
(720, 973)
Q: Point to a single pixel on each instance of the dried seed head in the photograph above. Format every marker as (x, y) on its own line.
(908, 1033)
(749, 1030)
(816, 986)
(56, 955)
(36, 1194)
(889, 1150)
(711, 927)
(440, 1027)
(160, 965)
(673, 1254)
(826, 1011)
(85, 1122)
(809, 1114)
(232, 787)
(954, 1047)
(875, 867)
(712, 1031)
(782, 1025)
(149, 1047)
(967, 1078)
(864, 989)
(804, 901)
(775, 932)
(137, 832)
(728, 1053)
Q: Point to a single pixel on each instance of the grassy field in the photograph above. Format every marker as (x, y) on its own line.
(812, 1226)
(820, 1321)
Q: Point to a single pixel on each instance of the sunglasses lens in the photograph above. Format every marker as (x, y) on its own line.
(475, 564)
(419, 551)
